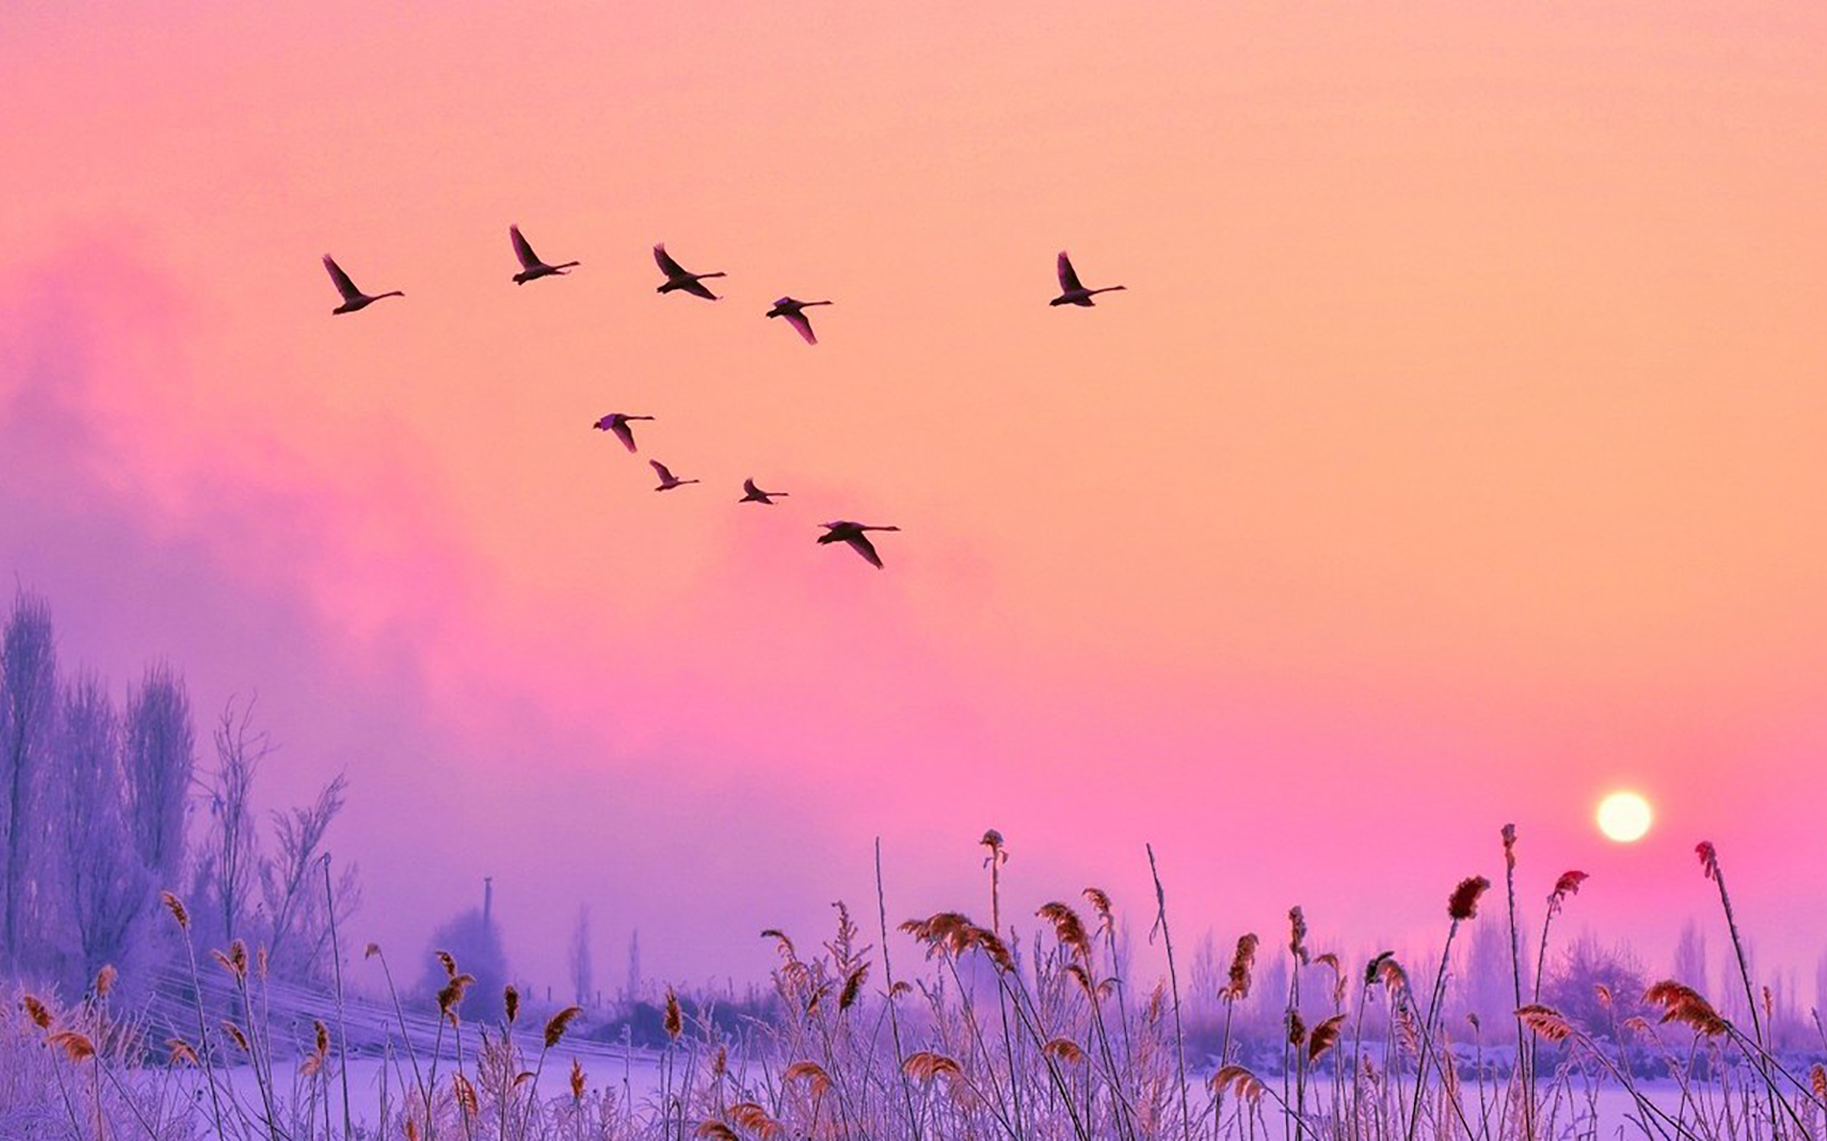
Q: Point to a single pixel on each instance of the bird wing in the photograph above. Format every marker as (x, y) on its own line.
(343, 285)
(660, 470)
(523, 249)
(699, 289)
(801, 322)
(623, 433)
(748, 485)
(1068, 277)
(664, 260)
(861, 545)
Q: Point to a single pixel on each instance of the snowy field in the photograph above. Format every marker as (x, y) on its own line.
(373, 1081)
(1609, 1113)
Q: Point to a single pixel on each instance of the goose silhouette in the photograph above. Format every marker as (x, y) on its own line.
(668, 481)
(618, 424)
(531, 268)
(795, 313)
(353, 298)
(850, 532)
(753, 494)
(1071, 291)
(681, 279)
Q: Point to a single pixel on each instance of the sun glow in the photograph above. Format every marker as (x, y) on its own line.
(1624, 817)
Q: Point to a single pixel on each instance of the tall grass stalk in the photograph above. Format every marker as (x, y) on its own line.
(1461, 906)
(1167, 939)
(1709, 863)
(342, 1025)
(894, 1018)
(1523, 1080)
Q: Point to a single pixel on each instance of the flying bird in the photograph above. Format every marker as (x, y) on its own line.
(846, 531)
(753, 494)
(1071, 291)
(795, 313)
(353, 298)
(617, 422)
(668, 481)
(531, 268)
(677, 277)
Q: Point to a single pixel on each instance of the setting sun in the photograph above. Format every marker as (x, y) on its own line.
(1624, 817)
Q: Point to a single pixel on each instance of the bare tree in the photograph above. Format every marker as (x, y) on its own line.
(1485, 983)
(159, 758)
(1574, 986)
(1820, 985)
(295, 910)
(105, 890)
(582, 977)
(228, 864)
(1690, 956)
(28, 696)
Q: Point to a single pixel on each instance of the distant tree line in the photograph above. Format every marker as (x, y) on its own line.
(105, 805)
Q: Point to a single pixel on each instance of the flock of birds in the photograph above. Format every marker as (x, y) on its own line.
(680, 280)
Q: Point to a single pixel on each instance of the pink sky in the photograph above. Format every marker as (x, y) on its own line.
(1454, 457)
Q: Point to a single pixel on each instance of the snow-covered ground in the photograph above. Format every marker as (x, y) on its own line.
(638, 1076)
(370, 1079)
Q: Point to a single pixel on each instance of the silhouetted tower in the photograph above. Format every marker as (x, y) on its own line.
(488, 900)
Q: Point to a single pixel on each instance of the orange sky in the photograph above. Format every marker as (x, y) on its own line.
(1454, 455)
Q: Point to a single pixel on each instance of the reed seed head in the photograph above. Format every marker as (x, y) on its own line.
(1324, 1037)
(1100, 903)
(1545, 1022)
(1065, 1049)
(556, 1025)
(1243, 960)
(1682, 1003)
(1239, 1081)
(1067, 928)
(37, 1011)
(752, 1117)
(813, 1074)
(926, 1065)
(465, 1093)
(1709, 858)
(1463, 903)
(176, 906)
(451, 996)
(75, 1045)
(853, 987)
(675, 1015)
